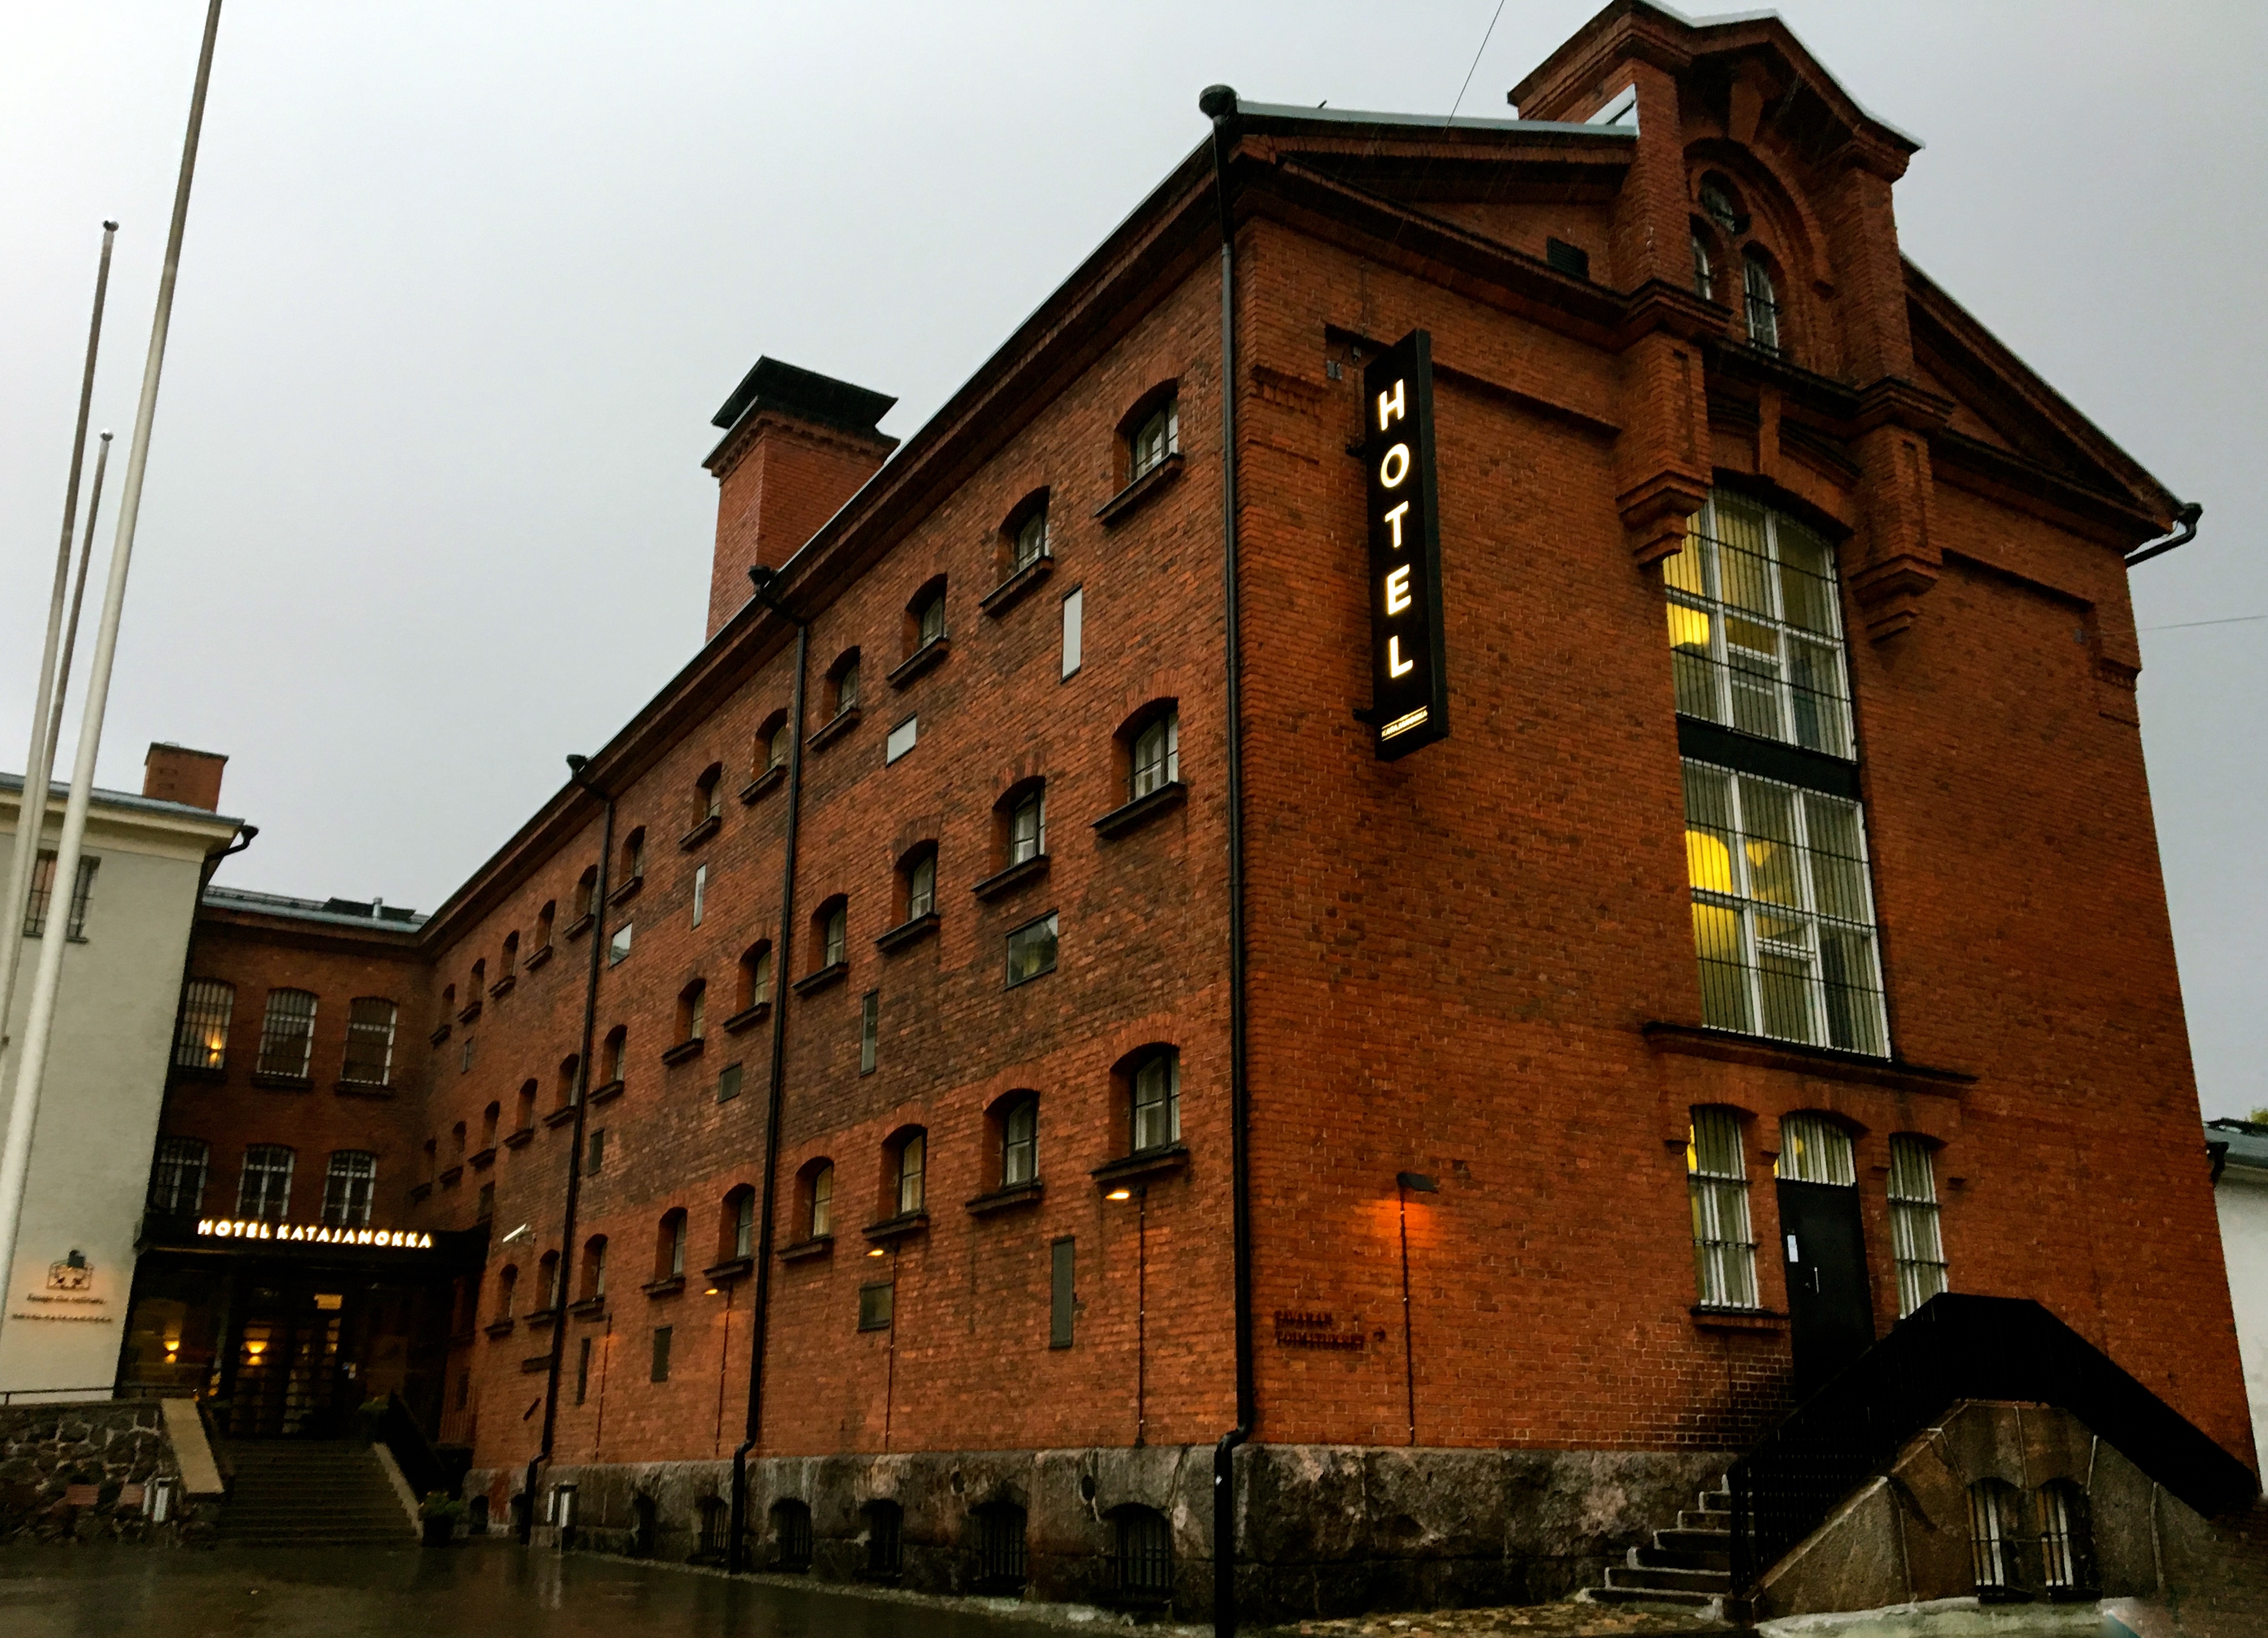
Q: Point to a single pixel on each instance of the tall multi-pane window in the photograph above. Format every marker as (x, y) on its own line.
(822, 1202)
(1716, 1177)
(287, 1033)
(1027, 827)
(1761, 302)
(744, 1224)
(347, 1188)
(1917, 1246)
(1156, 1106)
(177, 1182)
(834, 935)
(1020, 1143)
(1157, 760)
(264, 1191)
(1705, 278)
(201, 1036)
(913, 1157)
(370, 1041)
(43, 893)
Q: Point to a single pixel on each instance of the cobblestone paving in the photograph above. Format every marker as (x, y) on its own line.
(1532, 1620)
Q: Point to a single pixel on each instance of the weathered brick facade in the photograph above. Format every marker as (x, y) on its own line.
(1477, 964)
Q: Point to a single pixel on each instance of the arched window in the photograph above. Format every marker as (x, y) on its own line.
(1000, 1556)
(2066, 1541)
(925, 617)
(1018, 1122)
(1814, 1149)
(264, 1191)
(544, 917)
(791, 1536)
(369, 1042)
(523, 1113)
(489, 1116)
(616, 1048)
(633, 856)
(287, 1034)
(917, 881)
(1149, 1083)
(348, 1189)
(1143, 1564)
(546, 1285)
(693, 1010)
(201, 1037)
(587, 891)
(755, 976)
(1721, 205)
(594, 1267)
(569, 1085)
(830, 934)
(843, 683)
(885, 1523)
(669, 1246)
(1996, 1523)
(479, 982)
(905, 1166)
(448, 1005)
(1020, 823)
(511, 954)
(1717, 1180)
(774, 741)
(709, 793)
(815, 1198)
(1916, 1244)
(1152, 432)
(737, 1236)
(1760, 301)
(1704, 272)
(1025, 534)
(1151, 744)
(177, 1182)
(508, 1285)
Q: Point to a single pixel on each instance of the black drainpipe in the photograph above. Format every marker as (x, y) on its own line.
(566, 1267)
(737, 1555)
(1218, 103)
(2187, 517)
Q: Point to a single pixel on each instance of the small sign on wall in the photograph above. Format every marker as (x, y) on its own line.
(1409, 674)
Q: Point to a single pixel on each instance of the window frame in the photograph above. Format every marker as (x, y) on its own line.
(170, 1170)
(350, 1188)
(274, 1036)
(1019, 1141)
(201, 1031)
(1145, 1094)
(262, 1158)
(1916, 1226)
(1153, 750)
(1724, 1230)
(364, 1029)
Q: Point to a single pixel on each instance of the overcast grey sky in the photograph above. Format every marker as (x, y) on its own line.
(465, 281)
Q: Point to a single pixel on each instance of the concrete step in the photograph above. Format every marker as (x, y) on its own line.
(1701, 1581)
(1681, 1558)
(1709, 1606)
(1706, 1519)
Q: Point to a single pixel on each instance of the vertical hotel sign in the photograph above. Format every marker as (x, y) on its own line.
(1409, 676)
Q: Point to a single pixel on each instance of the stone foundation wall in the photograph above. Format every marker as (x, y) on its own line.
(77, 1473)
(1324, 1530)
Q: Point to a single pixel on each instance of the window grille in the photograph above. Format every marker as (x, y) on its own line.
(883, 1537)
(1992, 1527)
(2066, 1563)
(822, 1202)
(1156, 1103)
(43, 893)
(1020, 1144)
(921, 887)
(1032, 538)
(1032, 949)
(913, 1157)
(1756, 628)
(1028, 829)
(1705, 279)
(287, 1033)
(744, 1225)
(369, 1042)
(264, 1191)
(1158, 437)
(1156, 755)
(177, 1182)
(1782, 911)
(1762, 303)
(791, 1528)
(837, 938)
(1145, 1554)
(1916, 1244)
(1724, 1245)
(201, 1038)
(1000, 1556)
(348, 1189)
(1814, 1149)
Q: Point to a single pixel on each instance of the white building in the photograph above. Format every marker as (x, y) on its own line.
(128, 923)
(2240, 1190)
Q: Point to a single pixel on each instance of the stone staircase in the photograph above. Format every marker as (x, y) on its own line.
(1688, 1569)
(310, 1493)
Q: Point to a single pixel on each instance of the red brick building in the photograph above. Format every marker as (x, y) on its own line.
(1017, 1025)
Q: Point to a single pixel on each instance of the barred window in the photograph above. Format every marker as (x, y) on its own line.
(201, 1034)
(1145, 1560)
(264, 1191)
(370, 1041)
(1755, 627)
(792, 1529)
(287, 1034)
(1815, 1150)
(2066, 1555)
(1716, 1177)
(347, 1188)
(884, 1527)
(1156, 1105)
(1782, 911)
(1916, 1244)
(1762, 303)
(43, 893)
(1995, 1522)
(177, 1182)
(1000, 1552)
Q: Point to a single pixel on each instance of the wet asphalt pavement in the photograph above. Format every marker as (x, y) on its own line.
(494, 1590)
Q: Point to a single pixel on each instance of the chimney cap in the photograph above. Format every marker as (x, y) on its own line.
(776, 385)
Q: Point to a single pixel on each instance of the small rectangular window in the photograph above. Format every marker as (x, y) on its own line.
(1063, 1300)
(618, 946)
(660, 1372)
(1074, 628)
(875, 1306)
(583, 1372)
(700, 892)
(870, 1011)
(728, 1083)
(597, 1157)
(1032, 950)
(1916, 1243)
(901, 739)
(43, 889)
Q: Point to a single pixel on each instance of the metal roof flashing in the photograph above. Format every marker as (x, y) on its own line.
(129, 800)
(1424, 123)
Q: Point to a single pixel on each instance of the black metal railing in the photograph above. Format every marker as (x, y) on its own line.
(426, 1469)
(1956, 1348)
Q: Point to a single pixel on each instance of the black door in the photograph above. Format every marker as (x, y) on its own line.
(1830, 1313)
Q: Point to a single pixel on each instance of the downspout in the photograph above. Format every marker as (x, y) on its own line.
(736, 1554)
(2187, 517)
(576, 767)
(1218, 103)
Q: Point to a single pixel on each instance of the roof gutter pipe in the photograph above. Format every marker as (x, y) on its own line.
(2187, 517)
(1218, 104)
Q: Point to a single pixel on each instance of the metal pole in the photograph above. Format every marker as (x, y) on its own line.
(39, 1029)
(38, 764)
(78, 601)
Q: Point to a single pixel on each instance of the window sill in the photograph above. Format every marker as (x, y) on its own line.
(482, 1159)
(805, 1250)
(589, 1308)
(769, 780)
(1141, 810)
(284, 1083)
(627, 891)
(461, 1339)
(540, 1362)
(608, 1093)
(913, 930)
(685, 1050)
(578, 927)
(833, 729)
(520, 1138)
(1738, 1319)
(748, 1018)
(1763, 1052)
(540, 1319)
(1014, 876)
(1006, 1199)
(933, 652)
(440, 1034)
(1142, 1165)
(502, 1327)
(813, 983)
(469, 1011)
(420, 1192)
(1127, 500)
(559, 1118)
(363, 1088)
(198, 1072)
(905, 1226)
(700, 833)
(451, 1177)
(670, 1287)
(536, 958)
(724, 1273)
(504, 986)
(1010, 591)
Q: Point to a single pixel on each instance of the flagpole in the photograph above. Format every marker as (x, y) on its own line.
(39, 1028)
(78, 599)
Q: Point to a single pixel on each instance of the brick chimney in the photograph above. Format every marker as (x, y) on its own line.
(796, 444)
(174, 773)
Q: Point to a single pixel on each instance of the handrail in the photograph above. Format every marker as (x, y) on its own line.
(421, 1465)
(1956, 1348)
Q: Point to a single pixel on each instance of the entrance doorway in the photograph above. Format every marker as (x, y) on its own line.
(1831, 1309)
(286, 1376)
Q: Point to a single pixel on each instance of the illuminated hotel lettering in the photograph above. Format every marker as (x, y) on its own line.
(1409, 676)
(312, 1233)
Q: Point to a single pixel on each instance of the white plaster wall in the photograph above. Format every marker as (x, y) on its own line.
(2242, 1196)
(98, 1122)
